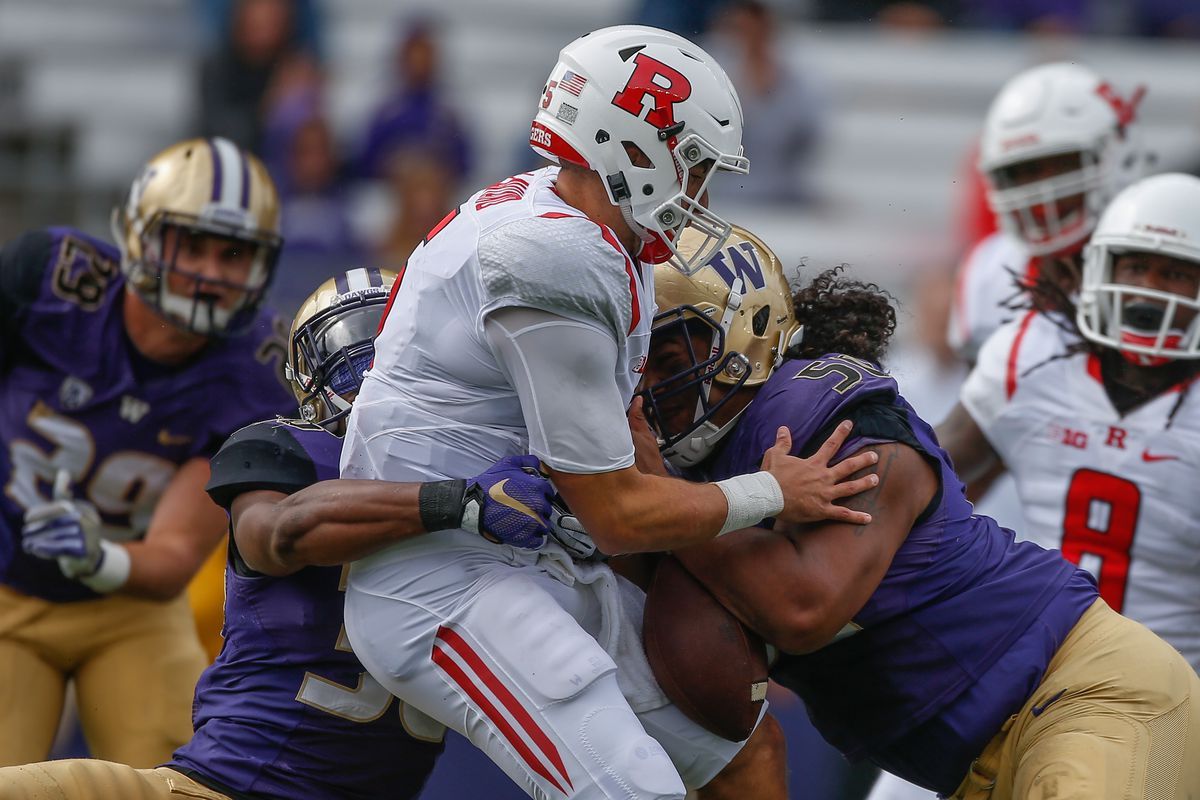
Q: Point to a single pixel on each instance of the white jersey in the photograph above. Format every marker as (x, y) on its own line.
(436, 391)
(983, 290)
(534, 656)
(1116, 494)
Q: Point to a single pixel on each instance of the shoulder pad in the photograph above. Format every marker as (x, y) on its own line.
(279, 455)
(565, 265)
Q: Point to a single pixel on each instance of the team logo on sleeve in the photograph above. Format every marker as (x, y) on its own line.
(74, 393)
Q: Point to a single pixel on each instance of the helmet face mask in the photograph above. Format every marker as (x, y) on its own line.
(167, 278)
(1141, 273)
(723, 328)
(1058, 144)
(195, 196)
(332, 344)
(643, 107)
(692, 334)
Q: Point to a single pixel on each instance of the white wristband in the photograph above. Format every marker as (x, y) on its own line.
(113, 571)
(752, 498)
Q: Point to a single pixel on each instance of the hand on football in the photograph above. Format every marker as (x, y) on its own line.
(65, 530)
(509, 503)
(810, 485)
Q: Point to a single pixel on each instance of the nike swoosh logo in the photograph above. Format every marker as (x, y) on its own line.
(168, 439)
(1149, 457)
(1037, 710)
(498, 494)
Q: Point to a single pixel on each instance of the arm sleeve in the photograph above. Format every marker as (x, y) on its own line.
(564, 371)
(985, 392)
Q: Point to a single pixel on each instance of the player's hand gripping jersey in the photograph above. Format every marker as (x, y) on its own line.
(77, 396)
(287, 710)
(1114, 493)
(965, 620)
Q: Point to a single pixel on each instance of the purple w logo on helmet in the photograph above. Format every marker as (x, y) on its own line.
(741, 260)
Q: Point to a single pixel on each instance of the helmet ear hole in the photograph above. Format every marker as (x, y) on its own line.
(761, 319)
(637, 156)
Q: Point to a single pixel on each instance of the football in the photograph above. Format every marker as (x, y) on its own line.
(709, 664)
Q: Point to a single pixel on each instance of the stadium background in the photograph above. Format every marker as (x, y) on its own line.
(874, 135)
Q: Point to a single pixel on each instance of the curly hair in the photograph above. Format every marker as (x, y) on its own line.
(840, 315)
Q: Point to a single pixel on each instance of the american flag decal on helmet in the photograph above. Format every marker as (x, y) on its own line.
(573, 82)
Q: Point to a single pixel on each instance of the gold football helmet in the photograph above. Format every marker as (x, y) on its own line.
(332, 343)
(190, 194)
(740, 303)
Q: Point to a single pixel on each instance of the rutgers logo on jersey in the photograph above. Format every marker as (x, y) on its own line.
(665, 85)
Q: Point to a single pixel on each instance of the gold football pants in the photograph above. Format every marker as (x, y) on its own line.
(1117, 715)
(90, 779)
(134, 662)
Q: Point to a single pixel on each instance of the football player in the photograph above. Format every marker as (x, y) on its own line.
(1095, 416)
(287, 710)
(124, 368)
(1058, 143)
(522, 325)
(928, 641)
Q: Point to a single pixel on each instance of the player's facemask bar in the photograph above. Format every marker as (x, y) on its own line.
(204, 305)
(331, 352)
(686, 208)
(693, 385)
(1144, 324)
(1031, 211)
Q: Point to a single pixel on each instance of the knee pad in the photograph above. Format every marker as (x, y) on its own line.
(622, 759)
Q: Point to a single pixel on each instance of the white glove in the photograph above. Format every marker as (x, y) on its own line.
(67, 530)
(568, 531)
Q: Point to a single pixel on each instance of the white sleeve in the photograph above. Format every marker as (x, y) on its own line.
(564, 371)
(985, 392)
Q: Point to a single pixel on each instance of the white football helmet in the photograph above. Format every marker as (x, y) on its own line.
(1160, 215)
(1059, 110)
(637, 88)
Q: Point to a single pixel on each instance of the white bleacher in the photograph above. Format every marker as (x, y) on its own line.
(902, 112)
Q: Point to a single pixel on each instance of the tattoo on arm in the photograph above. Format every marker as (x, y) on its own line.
(869, 501)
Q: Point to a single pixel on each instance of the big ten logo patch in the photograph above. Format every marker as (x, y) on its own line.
(1068, 436)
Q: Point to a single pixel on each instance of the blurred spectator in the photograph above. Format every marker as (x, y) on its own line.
(235, 78)
(784, 112)
(299, 150)
(1178, 19)
(688, 18)
(416, 115)
(216, 14)
(423, 188)
(1031, 16)
(908, 15)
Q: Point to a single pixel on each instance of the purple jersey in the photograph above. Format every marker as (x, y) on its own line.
(960, 630)
(77, 395)
(287, 711)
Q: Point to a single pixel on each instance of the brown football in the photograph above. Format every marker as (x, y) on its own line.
(711, 666)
